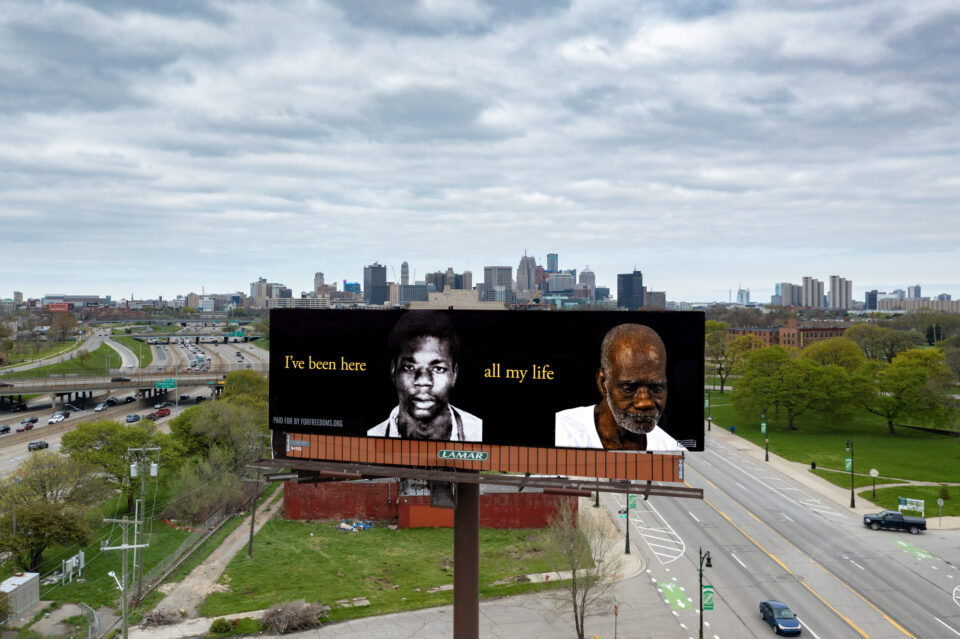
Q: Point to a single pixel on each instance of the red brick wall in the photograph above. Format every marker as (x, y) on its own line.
(354, 500)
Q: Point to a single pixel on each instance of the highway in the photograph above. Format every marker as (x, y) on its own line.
(772, 537)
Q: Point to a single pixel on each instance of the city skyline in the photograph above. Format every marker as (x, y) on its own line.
(161, 148)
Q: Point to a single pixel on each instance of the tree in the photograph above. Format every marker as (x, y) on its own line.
(880, 342)
(840, 351)
(739, 349)
(50, 478)
(40, 526)
(772, 379)
(716, 347)
(103, 445)
(61, 324)
(84, 356)
(230, 423)
(580, 546)
(248, 385)
(712, 326)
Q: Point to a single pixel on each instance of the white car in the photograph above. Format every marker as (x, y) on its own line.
(56, 419)
(101, 406)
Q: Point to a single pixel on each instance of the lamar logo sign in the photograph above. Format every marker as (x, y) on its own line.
(463, 455)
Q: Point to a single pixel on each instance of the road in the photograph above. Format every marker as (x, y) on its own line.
(772, 537)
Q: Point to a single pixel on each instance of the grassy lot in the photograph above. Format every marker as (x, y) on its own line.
(393, 569)
(96, 364)
(887, 499)
(910, 454)
(46, 350)
(139, 348)
(263, 342)
(842, 479)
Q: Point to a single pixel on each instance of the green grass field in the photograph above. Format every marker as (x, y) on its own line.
(98, 363)
(18, 356)
(139, 348)
(909, 454)
(886, 499)
(393, 569)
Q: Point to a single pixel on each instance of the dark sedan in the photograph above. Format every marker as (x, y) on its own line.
(780, 617)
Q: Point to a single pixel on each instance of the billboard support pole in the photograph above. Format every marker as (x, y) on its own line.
(466, 562)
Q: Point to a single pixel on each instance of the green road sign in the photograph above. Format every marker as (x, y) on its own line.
(707, 597)
(673, 595)
(631, 501)
(236, 333)
(848, 464)
(763, 428)
(623, 516)
(167, 383)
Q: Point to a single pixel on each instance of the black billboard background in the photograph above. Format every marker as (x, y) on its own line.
(304, 398)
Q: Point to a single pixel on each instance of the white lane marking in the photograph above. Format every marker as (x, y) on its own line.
(956, 595)
(784, 515)
(694, 516)
(738, 560)
(706, 462)
(857, 565)
(742, 487)
(804, 624)
(947, 627)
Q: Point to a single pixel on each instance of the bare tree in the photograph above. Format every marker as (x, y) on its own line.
(585, 551)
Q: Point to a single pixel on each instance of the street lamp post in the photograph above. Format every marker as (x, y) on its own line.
(766, 436)
(850, 448)
(704, 562)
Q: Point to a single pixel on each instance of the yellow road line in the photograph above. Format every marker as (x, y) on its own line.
(814, 561)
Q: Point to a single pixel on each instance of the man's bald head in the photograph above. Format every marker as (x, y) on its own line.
(637, 335)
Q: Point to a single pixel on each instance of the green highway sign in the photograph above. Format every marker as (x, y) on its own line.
(236, 333)
(763, 428)
(631, 501)
(167, 383)
(707, 597)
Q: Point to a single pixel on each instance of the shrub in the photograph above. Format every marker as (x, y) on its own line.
(292, 616)
(220, 626)
(944, 492)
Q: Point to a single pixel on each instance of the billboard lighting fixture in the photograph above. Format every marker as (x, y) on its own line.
(282, 476)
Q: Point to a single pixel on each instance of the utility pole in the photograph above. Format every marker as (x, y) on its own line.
(704, 562)
(135, 467)
(850, 448)
(253, 506)
(123, 583)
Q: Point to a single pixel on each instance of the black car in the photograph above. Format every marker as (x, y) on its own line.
(29, 420)
(4, 429)
(111, 401)
(780, 617)
(129, 399)
(119, 379)
(18, 407)
(38, 445)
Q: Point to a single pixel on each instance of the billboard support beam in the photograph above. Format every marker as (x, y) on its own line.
(466, 562)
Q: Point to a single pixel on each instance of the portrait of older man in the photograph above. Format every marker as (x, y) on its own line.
(632, 380)
(424, 351)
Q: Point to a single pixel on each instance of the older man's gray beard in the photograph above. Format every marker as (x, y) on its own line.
(636, 423)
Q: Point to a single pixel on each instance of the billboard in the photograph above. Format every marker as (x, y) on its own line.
(471, 380)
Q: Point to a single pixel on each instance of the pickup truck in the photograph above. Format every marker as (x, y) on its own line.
(894, 520)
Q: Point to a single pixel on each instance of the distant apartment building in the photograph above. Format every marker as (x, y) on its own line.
(924, 303)
(792, 334)
(561, 281)
(787, 294)
(913, 292)
(498, 284)
(841, 293)
(743, 296)
(630, 290)
(812, 291)
(654, 299)
(870, 300)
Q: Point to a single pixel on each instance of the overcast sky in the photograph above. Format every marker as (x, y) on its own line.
(163, 147)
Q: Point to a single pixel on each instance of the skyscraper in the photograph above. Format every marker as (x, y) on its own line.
(870, 300)
(913, 292)
(404, 274)
(553, 262)
(630, 290)
(841, 291)
(527, 273)
(497, 276)
(812, 292)
(588, 279)
(375, 291)
(317, 282)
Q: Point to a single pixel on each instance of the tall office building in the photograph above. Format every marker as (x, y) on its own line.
(527, 273)
(404, 274)
(630, 290)
(743, 296)
(553, 262)
(841, 292)
(497, 276)
(913, 292)
(870, 300)
(588, 279)
(787, 294)
(812, 292)
(317, 282)
(375, 291)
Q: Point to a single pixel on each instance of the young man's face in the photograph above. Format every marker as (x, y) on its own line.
(635, 387)
(424, 374)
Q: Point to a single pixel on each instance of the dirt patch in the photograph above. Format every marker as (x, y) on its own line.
(52, 622)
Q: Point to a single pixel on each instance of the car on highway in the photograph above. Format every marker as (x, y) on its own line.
(164, 405)
(29, 420)
(780, 617)
(65, 413)
(18, 407)
(119, 379)
(24, 426)
(129, 399)
(38, 445)
(199, 398)
(5, 384)
(56, 419)
(133, 417)
(162, 412)
(111, 401)
(101, 407)
(4, 429)
(184, 397)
